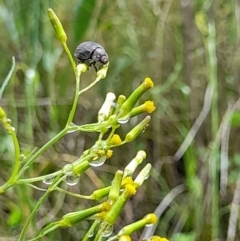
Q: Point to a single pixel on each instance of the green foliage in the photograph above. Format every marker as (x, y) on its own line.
(82, 17)
(184, 237)
(110, 118)
(191, 51)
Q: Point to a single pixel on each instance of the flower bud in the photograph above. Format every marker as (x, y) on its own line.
(151, 218)
(117, 208)
(128, 105)
(115, 140)
(143, 175)
(157, 238)
(116, 185)
(127, 181)
(148, 107)
(129, 229)
(139, 128)
(80, 167)
(125, 238)
(121, 99)
(81, 68)
(100, 193)
(109, 154)
(61, 35)
(137, 160)
(72, 218)
(106, 107)
(102, 72)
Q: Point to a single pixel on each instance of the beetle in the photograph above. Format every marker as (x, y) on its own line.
(90, 53)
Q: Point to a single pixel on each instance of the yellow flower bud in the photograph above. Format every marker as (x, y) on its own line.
(157, 238)
(148, 83)
(151, 218)
(128, 105)
(115, 140)
(129, 229)
(148, 107)
(127, 180)
(118, 206)
(106, 206)
(109, 154)
(125, 238)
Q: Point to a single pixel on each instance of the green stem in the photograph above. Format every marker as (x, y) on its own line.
(215, 123)
(70, 57)
(213, 76)
(17, 156)
(91, 230)
(75, 102)
(112, 238)
(37, 179)
(53, 226)
(10, 181)
(77, 87)
(9, 76)
(39, 203)
(73, 194)
(98, 237)
(70, 118)
(91, 85)
(39, 152)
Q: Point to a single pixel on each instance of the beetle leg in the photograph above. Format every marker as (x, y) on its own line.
(93, 64)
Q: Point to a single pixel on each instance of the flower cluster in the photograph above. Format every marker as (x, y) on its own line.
(113, 197)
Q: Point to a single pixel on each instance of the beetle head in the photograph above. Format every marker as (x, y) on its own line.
(104, 59)
(100, 55)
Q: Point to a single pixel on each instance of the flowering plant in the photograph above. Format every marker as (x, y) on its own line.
(111, 116)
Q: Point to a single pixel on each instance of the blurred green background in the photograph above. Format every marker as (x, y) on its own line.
(191, 51)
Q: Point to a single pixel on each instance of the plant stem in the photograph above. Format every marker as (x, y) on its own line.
(37, 179)
(17, 156)
(39, 152)
(39, 203)
(214, 167)
(75, 102)
(91, 85)
(74, 194)
(10, 181)
(70, 118)
(69, 56)
(90, 231)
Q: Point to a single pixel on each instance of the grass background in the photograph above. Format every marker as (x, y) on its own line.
(191, 51)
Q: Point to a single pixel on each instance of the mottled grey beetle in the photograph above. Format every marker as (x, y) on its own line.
(90, 53)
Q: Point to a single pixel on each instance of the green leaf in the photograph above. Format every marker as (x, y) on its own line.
(7, 79)
(236, 159)
(15, 216)
(82, 17)
(236, 119)
(184, 237)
